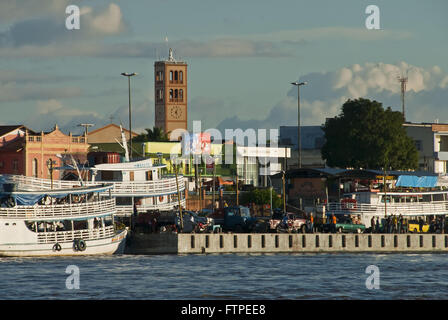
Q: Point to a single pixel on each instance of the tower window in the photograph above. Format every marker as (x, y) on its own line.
(171, 94)
(171, 75)
(181, 76)
(181, 94)
(175, 76)
(159, 76)
(176, 94)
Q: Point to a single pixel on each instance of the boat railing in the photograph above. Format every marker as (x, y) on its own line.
(155, 187)
(408, 209)
(162, 186)
(127, 210)
(68, 236)
(60, 210)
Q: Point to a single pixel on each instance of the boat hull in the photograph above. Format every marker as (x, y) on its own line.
(111, 245)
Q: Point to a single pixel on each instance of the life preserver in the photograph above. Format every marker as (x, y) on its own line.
(348, 203)
(160, 198)
(57, 247)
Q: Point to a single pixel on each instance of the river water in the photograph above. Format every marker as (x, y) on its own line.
(227, 276)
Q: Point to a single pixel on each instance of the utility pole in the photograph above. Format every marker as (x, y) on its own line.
(178, 199)
(403, 80)
(129, 75)
(86, 128)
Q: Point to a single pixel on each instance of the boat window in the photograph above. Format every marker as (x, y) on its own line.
(124, 201)
(80, 225)
(426, 198)
(438, 197)
(388, 199)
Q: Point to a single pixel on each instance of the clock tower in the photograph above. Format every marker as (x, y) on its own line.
(170, 94)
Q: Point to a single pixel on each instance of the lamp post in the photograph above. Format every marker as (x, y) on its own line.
(50, 169)
(298, 84)
(178, 196)
(270, 191)
(129, 75)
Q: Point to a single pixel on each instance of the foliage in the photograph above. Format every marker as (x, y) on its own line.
(152, 135)
(260, 197)
(364, 135)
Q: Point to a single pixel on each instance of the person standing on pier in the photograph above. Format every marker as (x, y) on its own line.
(311, 223)
(372, 224)
(333, 222)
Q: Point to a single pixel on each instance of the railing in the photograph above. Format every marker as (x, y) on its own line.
(121, 188)
(127, 210)
(405, 209)
(68, 236)
(60, 210)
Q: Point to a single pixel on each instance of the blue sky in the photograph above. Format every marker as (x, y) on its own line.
(242, 56)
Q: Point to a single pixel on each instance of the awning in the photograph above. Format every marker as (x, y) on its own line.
(417, 182)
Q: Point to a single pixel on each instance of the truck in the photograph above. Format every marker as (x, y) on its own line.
(235, 219)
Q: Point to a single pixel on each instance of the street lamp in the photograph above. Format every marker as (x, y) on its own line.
(298, 84)
(129, 75)
(50, 164)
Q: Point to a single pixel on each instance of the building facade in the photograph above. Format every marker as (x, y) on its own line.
(431, 141)
(171, 110)
(36, 155)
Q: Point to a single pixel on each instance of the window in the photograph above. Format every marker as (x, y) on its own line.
(181, 77)
(181, 94)
(15, 165)
(176, 94)
(35, 170)
(176, 76)
(171, 76)
(418, 145)
(159, 76)
(171, 94)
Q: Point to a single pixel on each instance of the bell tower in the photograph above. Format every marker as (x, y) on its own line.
(170, 94)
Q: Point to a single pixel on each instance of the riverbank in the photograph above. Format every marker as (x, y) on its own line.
(185, 243)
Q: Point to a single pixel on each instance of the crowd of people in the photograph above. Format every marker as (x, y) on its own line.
(399, 224)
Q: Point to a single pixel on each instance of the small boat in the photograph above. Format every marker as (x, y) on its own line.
(72, 221)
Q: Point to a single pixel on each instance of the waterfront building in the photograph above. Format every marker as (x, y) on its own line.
(170, 85)
(431, 141)
(24, 152)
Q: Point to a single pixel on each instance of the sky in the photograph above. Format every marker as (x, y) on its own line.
(242, 56)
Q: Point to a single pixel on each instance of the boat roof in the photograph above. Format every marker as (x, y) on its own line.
(30, 198)
(128, 166)
(60, 192)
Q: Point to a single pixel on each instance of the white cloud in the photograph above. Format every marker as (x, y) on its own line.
(325, 93)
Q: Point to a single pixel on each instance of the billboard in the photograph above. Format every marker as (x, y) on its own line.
(196, 144)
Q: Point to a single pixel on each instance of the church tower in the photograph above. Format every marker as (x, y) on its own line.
(170, 94)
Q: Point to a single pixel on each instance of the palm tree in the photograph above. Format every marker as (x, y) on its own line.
(155, 135)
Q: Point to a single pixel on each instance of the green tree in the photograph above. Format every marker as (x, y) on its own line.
(260, 197)
(364, 135)
(154, 135)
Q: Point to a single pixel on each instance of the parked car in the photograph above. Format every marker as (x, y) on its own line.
(344, 224)
(293, 223)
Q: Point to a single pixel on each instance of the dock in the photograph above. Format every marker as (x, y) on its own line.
(194, 243)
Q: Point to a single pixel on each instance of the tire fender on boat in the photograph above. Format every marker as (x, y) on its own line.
(57, 247)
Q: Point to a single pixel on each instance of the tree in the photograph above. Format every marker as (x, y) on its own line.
(156, 135)
(261, 197)
(364, 135)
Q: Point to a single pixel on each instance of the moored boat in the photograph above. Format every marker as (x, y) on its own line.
(72, 221)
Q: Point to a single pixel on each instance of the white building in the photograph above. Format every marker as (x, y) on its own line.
(431, 141)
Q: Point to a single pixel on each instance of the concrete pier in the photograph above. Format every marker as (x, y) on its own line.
(185, 243)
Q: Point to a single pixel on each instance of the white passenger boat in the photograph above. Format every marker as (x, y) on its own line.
(382, 204)
(136, 182)
(75, 221)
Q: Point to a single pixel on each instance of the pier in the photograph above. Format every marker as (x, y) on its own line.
(184, 243)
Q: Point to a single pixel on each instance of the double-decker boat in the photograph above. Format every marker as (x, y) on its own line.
(73, 221)
(382, 204)
(136, 185)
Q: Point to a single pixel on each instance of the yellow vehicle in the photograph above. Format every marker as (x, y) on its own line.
(414, 226)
